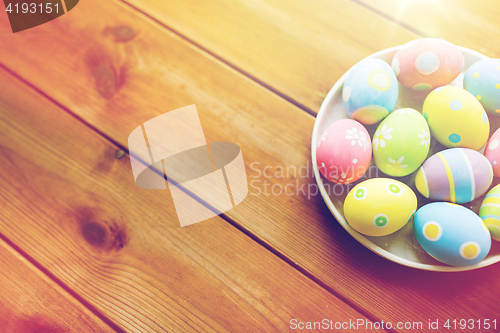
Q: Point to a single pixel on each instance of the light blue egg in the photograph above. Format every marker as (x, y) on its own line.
(452, 233)
(370, 91)
(483, 81)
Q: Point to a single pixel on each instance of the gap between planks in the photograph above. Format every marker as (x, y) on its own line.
(67, 289)
(236, 225)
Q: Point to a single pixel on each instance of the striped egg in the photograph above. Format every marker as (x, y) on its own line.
(490, 212)
(457, 175)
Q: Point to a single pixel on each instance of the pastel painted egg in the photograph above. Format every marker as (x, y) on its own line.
(492, 152)
(344, 151)
(401, 142)
(379, 206)
(483, 81)
(452, 233)
(490, 212)
(456, 118)
(370, 91)
(427, 63)
(457, 175)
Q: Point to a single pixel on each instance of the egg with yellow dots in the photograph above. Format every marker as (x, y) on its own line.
(483, 81)
(379, 206)
(490, 212)
(456, 118)
(452, 234)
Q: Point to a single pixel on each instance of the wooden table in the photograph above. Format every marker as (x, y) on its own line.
(83, 249)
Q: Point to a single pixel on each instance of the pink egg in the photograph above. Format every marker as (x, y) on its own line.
(344, 151)
(427, 63)
(492, 152)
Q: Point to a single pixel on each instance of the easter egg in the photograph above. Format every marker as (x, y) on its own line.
(451, 233)
(344, 151)
(457, 175)
(370, 91)
(492, 152)
(401, 142)
(490, 212)
(483, 81)
(379, 206)
(427, 63)
(456, 118)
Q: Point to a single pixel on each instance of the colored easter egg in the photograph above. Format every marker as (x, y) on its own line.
(490, 212)
(483, 81)
(457, 175)
(456, 118)
(379, 206)
(451, 233)
(427, 63)
(401, 142)
(370, 91)
(344, 151)
(492, 152)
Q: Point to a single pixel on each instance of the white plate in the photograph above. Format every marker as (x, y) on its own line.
(401, 246)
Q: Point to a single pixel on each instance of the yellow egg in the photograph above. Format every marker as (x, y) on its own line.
(456, 118)
(379, 206)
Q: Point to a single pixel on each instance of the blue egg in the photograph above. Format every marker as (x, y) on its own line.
(370, 91)
(452, 233)
(483, 81)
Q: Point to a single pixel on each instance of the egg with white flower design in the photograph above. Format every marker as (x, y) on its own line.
(370, 91)
(344, 151)
(492, 152)
(452, 233)
(427, 63)
(401, 142)
(379, 206)
(456, 175)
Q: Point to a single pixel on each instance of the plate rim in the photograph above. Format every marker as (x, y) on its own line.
(356, 235)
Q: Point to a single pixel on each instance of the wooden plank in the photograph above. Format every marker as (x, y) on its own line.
(472, 24)
(297, 48)
(31, 302)
(154, 71)
(70, 204)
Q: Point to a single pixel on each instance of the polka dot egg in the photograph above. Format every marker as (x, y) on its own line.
(492, 152)
(370, 91)
(427, 63)
(456, 118)
(483, 81)
(401, 142)
(379, 206)
(490, 212)
(458, 175)
(344, 151)
(451, 234)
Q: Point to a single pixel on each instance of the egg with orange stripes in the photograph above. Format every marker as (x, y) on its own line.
(490, 212)
(457, 175)
(451, 233)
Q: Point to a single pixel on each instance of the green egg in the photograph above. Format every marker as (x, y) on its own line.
(401, 142)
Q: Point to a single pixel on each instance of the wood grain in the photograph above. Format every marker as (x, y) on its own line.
(474, 25)
(70, 204)
(114, 85)
(32, 303)
(299, 49)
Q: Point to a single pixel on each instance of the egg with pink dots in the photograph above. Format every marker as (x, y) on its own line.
(344, 151)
